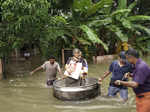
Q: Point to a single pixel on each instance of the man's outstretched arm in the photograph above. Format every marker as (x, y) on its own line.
(131, 84)
(35, 70)
(107, 73)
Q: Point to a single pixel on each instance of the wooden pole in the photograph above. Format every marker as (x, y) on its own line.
(1, 69)
(63, 57)
(16, 53)
(35, 51)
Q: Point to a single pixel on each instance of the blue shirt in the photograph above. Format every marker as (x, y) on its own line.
(118, 72)
(141, 75)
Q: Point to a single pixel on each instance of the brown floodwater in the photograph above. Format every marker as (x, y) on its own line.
(21, 92)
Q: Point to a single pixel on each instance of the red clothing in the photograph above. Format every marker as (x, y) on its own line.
(143, 102)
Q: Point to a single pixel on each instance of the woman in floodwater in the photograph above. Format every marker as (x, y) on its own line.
(76, 69)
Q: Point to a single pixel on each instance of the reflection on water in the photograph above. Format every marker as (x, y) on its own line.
(22, 92)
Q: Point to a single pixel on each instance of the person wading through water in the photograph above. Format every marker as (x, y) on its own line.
(76, 69)
(140, 82)
(118, 68)
(51, 68)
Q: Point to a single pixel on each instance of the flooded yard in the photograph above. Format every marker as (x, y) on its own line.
(22, 92)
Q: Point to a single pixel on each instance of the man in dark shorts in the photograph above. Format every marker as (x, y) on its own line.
(140, 82)
(51, 68)
(118, 68)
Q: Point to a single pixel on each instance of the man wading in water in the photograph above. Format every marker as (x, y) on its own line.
(76, 69)
(51, 67)
(141, 81)
(118, 69)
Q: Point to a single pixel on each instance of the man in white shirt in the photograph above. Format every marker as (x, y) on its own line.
(51, 68)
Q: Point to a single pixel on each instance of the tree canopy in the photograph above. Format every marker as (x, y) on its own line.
(51, 25)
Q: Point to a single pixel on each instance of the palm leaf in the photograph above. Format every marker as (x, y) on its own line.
(138, 18)
(83, 41)
(122, 4)
(59, 19)
(100, 22)
(118, 33)
(101, 4)
(132, 5)
(81, 5)
(92, 36)
(142, 28)
(121, 11)
(142, 39)
(126, 23)
(144, 48)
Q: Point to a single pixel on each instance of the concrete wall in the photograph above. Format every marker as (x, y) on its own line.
(103, 59)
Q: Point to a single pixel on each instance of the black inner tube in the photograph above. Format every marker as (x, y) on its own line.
(87, 83)
(89, 90)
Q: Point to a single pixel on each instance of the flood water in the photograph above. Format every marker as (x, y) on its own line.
(22, 92)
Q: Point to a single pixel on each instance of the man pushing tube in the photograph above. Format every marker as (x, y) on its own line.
(140, 82)
(118, 68)
(51, 68)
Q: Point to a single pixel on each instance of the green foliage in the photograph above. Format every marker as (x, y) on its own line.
(92, 36)
(29, 22)
(79, 20)
(123, 23)
(95, 7)
(118, 33)
(122, 4)
(139, 18)
(51, 26)
(82, 5)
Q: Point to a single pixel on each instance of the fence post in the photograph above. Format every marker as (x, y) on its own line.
(63, 57)
(1, 69)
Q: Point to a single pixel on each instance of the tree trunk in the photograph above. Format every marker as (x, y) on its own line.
(39, 48)
(4, 67)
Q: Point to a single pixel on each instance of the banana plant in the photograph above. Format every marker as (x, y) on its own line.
(82, 13)
(122, 22)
